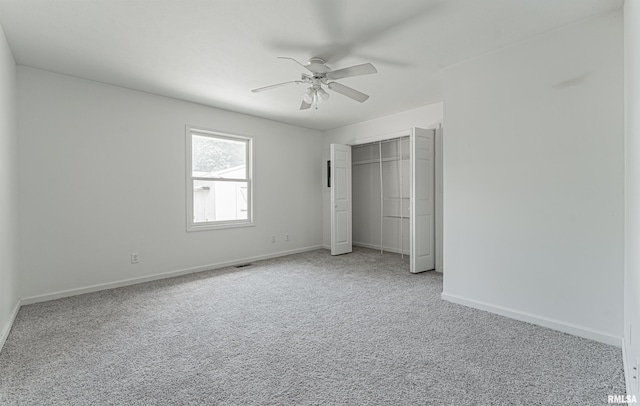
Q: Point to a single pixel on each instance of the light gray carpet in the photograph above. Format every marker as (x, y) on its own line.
(303, 329)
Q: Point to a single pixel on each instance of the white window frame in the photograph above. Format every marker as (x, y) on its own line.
(215, 225)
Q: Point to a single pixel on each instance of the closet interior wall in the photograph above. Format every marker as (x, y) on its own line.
(381, 206)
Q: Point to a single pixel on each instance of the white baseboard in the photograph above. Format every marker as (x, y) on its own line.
(538, 320)
(7, 326)
(373, 247)
(133, 281)
(377, 247)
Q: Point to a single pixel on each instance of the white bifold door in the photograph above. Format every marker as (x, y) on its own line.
(340, 199)
(422, 209)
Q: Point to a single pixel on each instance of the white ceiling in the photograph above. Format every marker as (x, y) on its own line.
(215, 51)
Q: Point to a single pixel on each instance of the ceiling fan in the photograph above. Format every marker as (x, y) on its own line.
(321, 75)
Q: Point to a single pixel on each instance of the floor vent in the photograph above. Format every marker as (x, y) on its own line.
(243, 265)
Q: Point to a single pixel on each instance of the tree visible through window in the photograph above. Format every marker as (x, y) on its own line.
(219, 192)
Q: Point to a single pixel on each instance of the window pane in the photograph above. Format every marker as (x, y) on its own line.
(219, 201)
(218, 157)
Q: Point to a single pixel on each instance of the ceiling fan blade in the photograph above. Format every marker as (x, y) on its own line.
(357, 70)
(347, 91)
(262, 89)
(296, 61)
(304, 105)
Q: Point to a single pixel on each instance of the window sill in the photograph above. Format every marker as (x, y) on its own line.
(219, 226)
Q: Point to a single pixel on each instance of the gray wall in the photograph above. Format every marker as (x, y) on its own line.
(102, 175)
(632, 202)
(8, 189)
(533, 180)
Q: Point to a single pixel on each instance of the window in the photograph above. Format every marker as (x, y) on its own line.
(219, 180)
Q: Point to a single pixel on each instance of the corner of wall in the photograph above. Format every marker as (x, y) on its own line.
(9, 297)
(631, 340)
(6, 328)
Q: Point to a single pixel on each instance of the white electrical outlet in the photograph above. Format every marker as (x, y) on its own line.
(286, 237)
(273, 239)
(135, 258)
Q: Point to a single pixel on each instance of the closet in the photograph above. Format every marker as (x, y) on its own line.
(383, 196)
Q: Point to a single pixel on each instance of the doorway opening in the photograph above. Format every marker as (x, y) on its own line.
(391, 188)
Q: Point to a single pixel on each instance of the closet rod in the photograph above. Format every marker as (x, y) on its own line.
(380, 142)
(375, 161)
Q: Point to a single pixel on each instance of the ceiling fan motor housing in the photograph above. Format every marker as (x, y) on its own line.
(318, 66)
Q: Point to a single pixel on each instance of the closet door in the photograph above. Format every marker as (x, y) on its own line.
(422, 257)
(340, 199)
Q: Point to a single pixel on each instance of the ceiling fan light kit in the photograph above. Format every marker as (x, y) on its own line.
(314, 96)
(309, 96)
(323, 95)
(320, 75)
